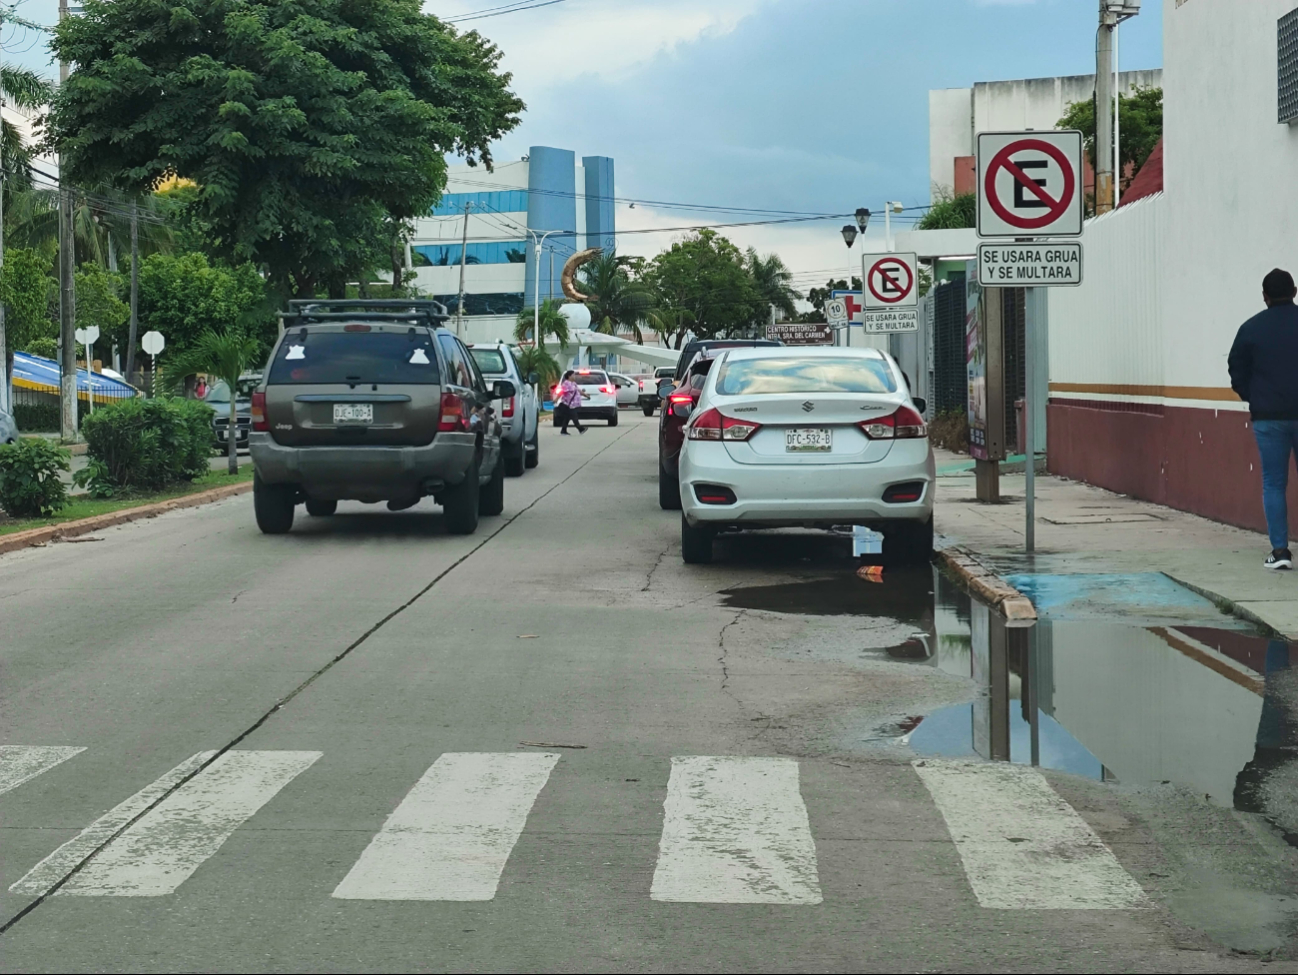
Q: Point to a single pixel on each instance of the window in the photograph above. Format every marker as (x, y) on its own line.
(406, 357)
(448, 255)
(820, 374)
(500, 303)
(589, 378)
(499, 201)
(458, 371)
(491, 361)
(1287, 44)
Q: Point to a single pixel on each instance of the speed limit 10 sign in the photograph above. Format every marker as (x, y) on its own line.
(1030, 184)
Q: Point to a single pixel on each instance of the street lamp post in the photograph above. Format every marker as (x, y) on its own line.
(849, 238)
(536, 305)
(889, 208)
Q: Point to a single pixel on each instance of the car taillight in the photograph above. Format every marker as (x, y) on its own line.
(453, 417)
(507, 407)
(259, 421)
(904, 424)
(713, 425)
(608, 389)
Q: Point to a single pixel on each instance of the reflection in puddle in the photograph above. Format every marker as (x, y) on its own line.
(1196, 706)
(905, 594)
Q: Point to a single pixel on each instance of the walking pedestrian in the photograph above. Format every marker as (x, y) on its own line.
(1264, 372)
(565, 409)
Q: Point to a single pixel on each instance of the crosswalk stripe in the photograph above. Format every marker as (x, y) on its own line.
(42, 877)
(452, 834)
(735, 831)
(171, 841)
(20, 763)
(1024, 847)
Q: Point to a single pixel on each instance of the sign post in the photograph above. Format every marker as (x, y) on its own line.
(88, 337)
(153, 343)
(1029, 189)
(891, 293)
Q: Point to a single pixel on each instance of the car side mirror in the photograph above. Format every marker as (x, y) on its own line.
(921, 404)
(532, 378)
(665, 386)
(503, 389)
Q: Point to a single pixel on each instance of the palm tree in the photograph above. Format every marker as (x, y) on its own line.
(670, 323)
(773, 281)
(617, 301)
(536, 359)
(227, 356)
(101, 222)
(551, 321)
(27, 91)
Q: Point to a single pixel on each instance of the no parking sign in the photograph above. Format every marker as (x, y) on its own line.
(1030, 184)
(891, 293)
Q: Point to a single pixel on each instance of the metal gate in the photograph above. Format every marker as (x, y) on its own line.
(950, 375)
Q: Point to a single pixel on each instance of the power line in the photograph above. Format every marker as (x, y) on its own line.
(511, 8)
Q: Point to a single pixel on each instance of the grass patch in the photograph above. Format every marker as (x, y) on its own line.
(82, 506)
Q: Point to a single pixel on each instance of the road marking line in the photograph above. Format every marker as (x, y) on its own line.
(173, 839)
(452, 834)
(42, 877)
(1024, 847)
(21, 763)
(735, 831)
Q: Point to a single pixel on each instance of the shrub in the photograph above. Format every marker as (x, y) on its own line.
(29, 478)
(950, 430)
(146, 444)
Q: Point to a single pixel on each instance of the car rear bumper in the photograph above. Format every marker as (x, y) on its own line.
(365, 473)
(599, 412)
(803, 495)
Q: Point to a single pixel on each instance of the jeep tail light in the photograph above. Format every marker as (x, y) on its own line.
(713, 425)
(259, 421)
(453, 416)
(904, 424)
(507, 407)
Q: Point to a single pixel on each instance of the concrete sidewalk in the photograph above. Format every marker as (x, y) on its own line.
(1084, 529)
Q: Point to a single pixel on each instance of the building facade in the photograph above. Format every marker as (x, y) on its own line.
(1140, 400)
(550, 193)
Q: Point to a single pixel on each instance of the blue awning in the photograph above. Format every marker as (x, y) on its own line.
(42, 375)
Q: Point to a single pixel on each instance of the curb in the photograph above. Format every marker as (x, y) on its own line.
(987, 585)
(83, 526)
(1227, 605)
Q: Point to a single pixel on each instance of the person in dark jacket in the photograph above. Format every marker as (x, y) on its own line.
(1264, 372)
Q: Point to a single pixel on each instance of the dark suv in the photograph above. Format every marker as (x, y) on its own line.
(679, 397)
(374, 401)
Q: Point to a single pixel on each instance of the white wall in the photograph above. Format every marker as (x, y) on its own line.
(1231, 173)
(950, 134)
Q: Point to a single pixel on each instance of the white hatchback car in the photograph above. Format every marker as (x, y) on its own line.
(807, 437)
(598, 395)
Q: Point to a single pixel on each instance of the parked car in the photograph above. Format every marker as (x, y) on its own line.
(521, 439)
(628, 388)
(218, 398)
(678, 403)
(649, 397)
(8, 428)
(372, 400)
(812, 437)
(598, 395)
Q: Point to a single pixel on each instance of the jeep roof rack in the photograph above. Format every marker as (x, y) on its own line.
(304, 311)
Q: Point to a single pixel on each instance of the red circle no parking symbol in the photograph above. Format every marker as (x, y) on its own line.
(1054, 207)
(890, 280)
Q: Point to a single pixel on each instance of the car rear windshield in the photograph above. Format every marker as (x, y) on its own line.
(805, 375)
(490, 360)
(406, 357)
(589, 378)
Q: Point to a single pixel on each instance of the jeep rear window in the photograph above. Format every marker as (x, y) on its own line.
(400, 357)
(490, 360)
(812, 374)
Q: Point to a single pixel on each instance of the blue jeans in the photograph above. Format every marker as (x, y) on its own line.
(1276, 440)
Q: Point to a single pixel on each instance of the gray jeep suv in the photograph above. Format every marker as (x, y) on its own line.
(371, 400)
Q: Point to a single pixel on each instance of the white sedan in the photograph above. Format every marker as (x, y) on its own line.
(809, 437)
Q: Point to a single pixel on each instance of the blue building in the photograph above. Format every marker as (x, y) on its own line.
(550, 193)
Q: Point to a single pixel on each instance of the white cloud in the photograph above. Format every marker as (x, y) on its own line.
(608, 38)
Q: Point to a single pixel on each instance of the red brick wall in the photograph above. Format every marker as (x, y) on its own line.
(1191, 459)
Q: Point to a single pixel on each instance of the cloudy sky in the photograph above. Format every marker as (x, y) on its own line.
(799, 105)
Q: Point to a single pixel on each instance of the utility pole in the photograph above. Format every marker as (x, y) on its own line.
(1112, 13)
(67, 291)
(135, 292)
(464, 253)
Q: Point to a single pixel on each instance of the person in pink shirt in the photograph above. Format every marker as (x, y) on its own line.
(565, 408)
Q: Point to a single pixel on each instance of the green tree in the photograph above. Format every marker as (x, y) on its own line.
(706, 275)
(772, 280)
(25, 283)
(305, 125)
(617, 302)
(1140, 122)
(227, 355)
(98, 303)
(551, 322)
(22, 89)
(184, 296)
(950, 212)
(536, 359)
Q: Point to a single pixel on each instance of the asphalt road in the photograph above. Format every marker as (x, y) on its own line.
(371, 746)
